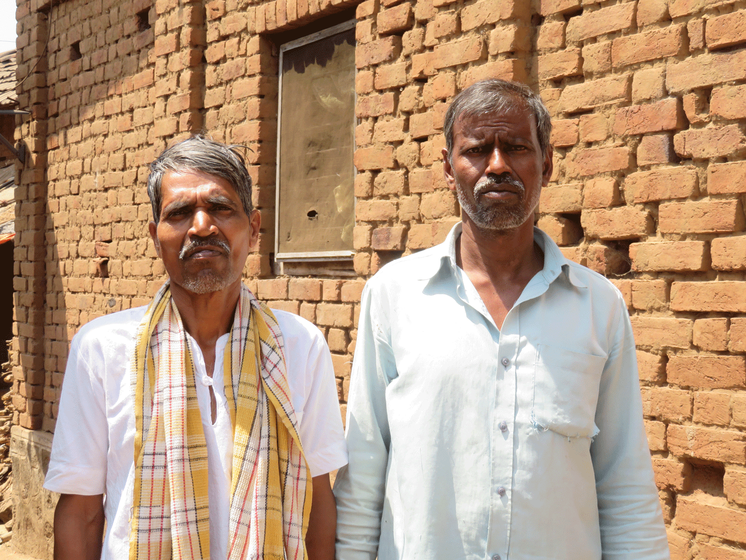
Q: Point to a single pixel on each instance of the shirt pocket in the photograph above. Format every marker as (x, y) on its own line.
(566, 387)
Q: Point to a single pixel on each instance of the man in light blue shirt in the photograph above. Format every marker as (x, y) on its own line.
(494, 409)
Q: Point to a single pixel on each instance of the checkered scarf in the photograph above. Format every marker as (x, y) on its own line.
(270, 489)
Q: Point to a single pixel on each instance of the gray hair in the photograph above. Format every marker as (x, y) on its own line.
(206, 156)
(497, 96)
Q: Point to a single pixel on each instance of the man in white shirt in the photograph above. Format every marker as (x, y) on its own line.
(205, 425)
(494, 408)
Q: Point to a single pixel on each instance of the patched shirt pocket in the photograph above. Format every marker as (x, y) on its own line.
(566, 387)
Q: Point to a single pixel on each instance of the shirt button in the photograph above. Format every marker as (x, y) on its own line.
(495, 557)
(506, 363)
(501, 493)
(503, 426)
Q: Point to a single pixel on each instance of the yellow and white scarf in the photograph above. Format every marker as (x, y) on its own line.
(270, 489)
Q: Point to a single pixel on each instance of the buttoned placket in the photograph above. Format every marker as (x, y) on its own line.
(502, 436)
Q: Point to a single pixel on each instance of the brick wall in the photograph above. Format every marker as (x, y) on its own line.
(648, 99)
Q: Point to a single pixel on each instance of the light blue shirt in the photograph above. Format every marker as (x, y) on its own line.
(470, 442)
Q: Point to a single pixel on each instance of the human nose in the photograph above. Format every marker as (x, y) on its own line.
(497, 163)
(202, 224)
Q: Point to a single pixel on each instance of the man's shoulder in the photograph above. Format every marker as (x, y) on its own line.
(296, 329)
(422, 265)
(110, 329)
(600, 287)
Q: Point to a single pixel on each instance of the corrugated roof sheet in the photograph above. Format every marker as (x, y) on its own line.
(8, 79)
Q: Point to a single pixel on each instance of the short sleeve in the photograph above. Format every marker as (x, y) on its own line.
(313, 391)
(79, 447)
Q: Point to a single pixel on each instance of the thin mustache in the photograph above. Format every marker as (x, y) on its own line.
(195, 244)
(488, 182)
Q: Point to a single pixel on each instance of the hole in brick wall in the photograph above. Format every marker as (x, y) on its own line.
(622, 262)
(537, 20)
(707, 476)
(572, 13)
(143, 22)
(75, 51)
(102, 268)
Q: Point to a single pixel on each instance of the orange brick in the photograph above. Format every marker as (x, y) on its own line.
(723, 296)
(650, 367)
(724, 31)
(352, 291)
(737, 335)
(655, 148)
(714, 518)
(704, 216)
(595, 93)
(661, 184)
(711, 408)
(441, 86)
(649, 45)
(510, 39)
(504, 69)
(624, 222)
(389, 183)
(654, 117)
(672, 474)
(734, 485)
(720, 552)
(598, 160)
(711, 334)
(389, 131)
(656, 332)
(551, 35)
(594, 128)
(443, 24)
(703, 143)
(705, 70)
(484, 12)
(729, 102)
(375, 210)
(377, 157)
(562, 231)
(661, 403)
(647, 84)
(375, 105)
(561, 64)
(549, 7)
(738, 409)
(729, 253)
(601, 192)
(376, 52)
(388, 238)
(605, 260)
(304, 288)
(651, 11)
(334, 314)
(726, 178)
(439, 204)
(562, 199)
(650, 295)
(597, 58)
(390, 76)
(564, 133)
(668, 255)
(656, 432)
(707, 371)
(599, 22)
(395, 20)
(276, 288)
(459, 52)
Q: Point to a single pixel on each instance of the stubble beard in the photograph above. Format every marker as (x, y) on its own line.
(498, 216)
(207, 281)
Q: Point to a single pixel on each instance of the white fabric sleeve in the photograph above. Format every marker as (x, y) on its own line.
(79, 447)
(360, 487)
(630, 516)
(313, 390)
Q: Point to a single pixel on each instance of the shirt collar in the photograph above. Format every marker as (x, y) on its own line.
(555, 263)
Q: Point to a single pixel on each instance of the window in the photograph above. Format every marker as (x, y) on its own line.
(316, 140)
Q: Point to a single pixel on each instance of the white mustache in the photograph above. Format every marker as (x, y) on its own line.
(488, 184)
(195, 244)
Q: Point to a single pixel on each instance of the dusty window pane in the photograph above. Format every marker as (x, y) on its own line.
(315, 169)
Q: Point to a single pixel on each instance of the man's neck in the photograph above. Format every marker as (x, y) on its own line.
(207, 317)
(499, 264)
